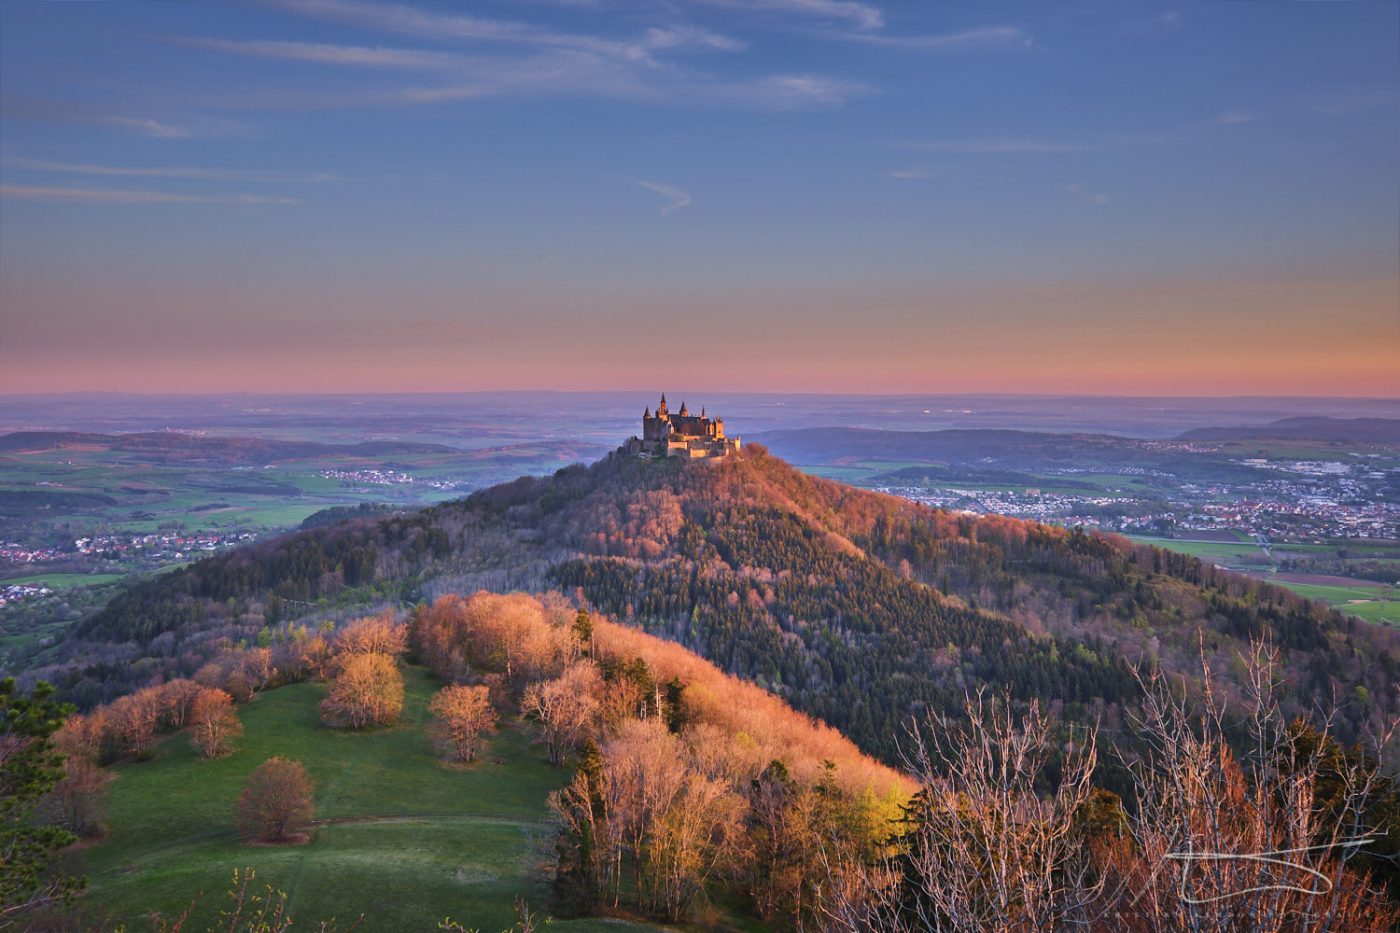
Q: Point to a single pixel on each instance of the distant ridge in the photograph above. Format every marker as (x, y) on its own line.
(1341, 430)
(177, 445)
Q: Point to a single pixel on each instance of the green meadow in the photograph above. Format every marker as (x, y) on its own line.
(400, 837)
(63, 581)
(1370, 602)
(1241, 554)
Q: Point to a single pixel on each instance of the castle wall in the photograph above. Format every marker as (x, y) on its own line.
(691, 436)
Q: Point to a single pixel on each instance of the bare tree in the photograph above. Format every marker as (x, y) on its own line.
(276, 802)
(1241, 843)
(76, 802)
(379, 634)
(987, 850)
(462, 714)
(367, 692)
(566, 708)
(132, 721)
(214, 724)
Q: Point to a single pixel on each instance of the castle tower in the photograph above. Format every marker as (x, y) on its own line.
(693, 437)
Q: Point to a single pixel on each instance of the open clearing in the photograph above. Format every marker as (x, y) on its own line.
(400, 837)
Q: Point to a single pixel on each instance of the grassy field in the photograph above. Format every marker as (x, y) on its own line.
(1370, 602)
(1240, 554)
(401, 837)
(62, 581)
(1363, 599)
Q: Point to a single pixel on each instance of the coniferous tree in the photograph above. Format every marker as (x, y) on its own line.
(30, 766)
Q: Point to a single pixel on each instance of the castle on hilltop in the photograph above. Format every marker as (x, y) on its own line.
(681, 434)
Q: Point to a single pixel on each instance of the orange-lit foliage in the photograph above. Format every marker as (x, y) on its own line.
(177, 699)
(380, 634)
(516, 630)
(764, 727)
(131, 722)
(368, 691)
(567, 708)
(670, 751)
(461, 716)
(516, 635)
(214, 724)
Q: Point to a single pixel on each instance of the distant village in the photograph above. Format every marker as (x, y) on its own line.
(371, 477)
(158, 549)
(1294, 501)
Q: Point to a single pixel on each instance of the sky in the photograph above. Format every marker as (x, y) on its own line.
(747, 195)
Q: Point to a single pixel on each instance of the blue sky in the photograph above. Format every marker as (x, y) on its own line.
(1106, 197)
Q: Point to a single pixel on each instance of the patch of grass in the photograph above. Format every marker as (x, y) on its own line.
(63, 581)
(400, 837)
(1220, 552)
(1370, 602)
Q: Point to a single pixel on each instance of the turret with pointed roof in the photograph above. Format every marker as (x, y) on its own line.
(682, 434)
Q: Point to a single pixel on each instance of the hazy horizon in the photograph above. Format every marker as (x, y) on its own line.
(1186, 199)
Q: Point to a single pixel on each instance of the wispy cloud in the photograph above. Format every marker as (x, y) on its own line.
(1234, 118)
(908, 174)
(685, 36)
(124, 196)
(414, 21)
(149, 127)
(39, 109)
(675, 197)
(859, 15)
(1097, 198)
(789, 91)
(173, 172)
(329, 54)
(862, 22)
(981, 37)
(1001, 146)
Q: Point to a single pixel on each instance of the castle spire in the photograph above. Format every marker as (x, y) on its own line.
(647, 413)
(684, 412)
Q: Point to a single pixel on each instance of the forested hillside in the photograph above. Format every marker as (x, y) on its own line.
(856, 607)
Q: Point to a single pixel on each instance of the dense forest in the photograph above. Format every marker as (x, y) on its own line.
(856, 607)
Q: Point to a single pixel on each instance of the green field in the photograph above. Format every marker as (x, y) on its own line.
(62, 581)
(1364, 600)
(400, 837)
(1243, 555)
(1370, 602)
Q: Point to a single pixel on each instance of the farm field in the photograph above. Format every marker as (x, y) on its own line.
(63, 581)
(1374, 602)
(1367, 600)
(462, 843)
(1241, 555)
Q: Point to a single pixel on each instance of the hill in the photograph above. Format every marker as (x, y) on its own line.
(1378, 431)
(992, 455)
(398, 808)
(173, 446)
(856, 607)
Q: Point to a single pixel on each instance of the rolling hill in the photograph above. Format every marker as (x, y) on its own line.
(856, 607)
(1377, 431)
(173, 446)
